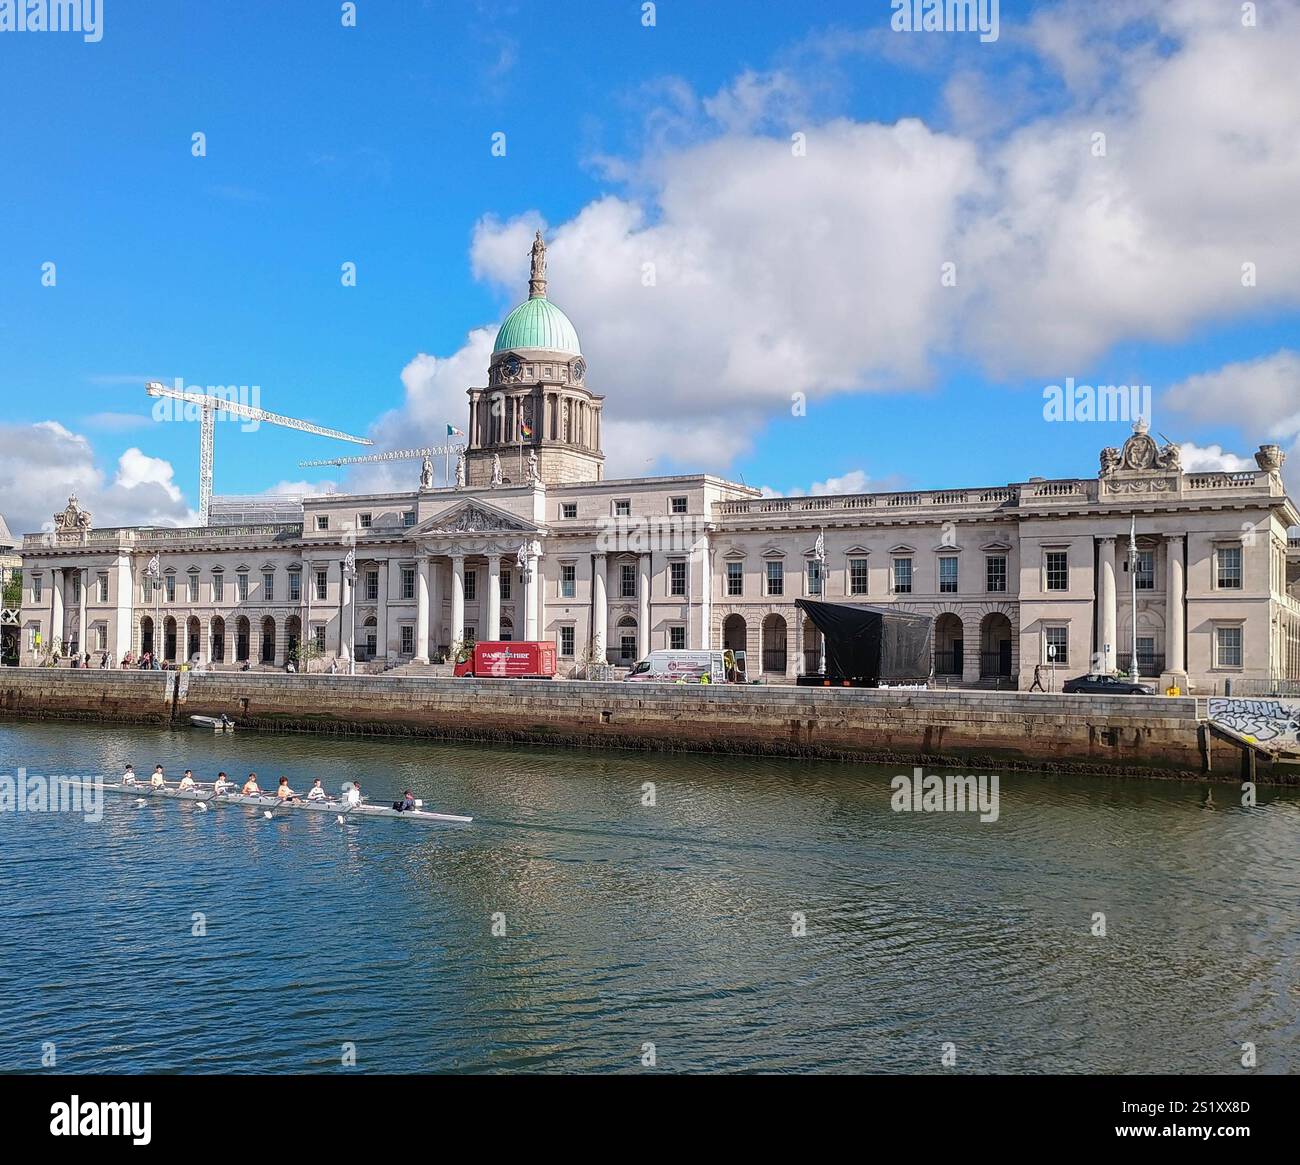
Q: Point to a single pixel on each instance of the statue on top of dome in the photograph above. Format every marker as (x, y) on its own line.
(537, 273)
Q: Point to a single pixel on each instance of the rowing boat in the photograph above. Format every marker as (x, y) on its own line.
(269, 801)
(216, 723)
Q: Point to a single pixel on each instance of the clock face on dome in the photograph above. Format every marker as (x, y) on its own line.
(511, 366)
(579, 368)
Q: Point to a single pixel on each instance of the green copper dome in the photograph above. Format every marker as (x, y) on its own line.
(537, 323)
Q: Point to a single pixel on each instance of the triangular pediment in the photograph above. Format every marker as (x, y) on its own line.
(473, 516)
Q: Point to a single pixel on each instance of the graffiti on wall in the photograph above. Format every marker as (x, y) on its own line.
(1270, 722)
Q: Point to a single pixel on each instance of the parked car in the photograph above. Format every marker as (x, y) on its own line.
(1106, 685)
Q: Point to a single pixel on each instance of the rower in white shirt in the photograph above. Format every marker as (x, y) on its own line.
(128, 777)
(354, 795)
(187, 781)
(221, 786)
(158, 781)
(316, 792)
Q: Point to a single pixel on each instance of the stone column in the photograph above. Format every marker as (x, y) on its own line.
(494, 597)
(435, 604)
(56, 610)
(706, 597)
(643, 607)
(1175, 673)
(125, 607)
(381, 613)
(600, 607)
(1107, 618)
(422, 610)
(82, 629)
(457, 598)
(533, 594)
(346, 617)
(794, 662)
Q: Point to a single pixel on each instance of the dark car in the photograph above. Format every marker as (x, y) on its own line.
(1106, 685)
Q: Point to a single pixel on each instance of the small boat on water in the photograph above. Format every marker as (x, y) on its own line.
(273, 804)
(214, 723)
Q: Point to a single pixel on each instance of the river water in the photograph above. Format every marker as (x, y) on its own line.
(628, 925)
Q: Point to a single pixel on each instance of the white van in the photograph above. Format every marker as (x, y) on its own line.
(690, 667)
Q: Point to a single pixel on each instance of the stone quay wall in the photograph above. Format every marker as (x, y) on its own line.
(1114, 734)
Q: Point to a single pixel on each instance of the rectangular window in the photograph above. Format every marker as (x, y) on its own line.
(268, 587)
(218, 588)
(241, 587)
(322, 584)
(948, 575)
(814, 577)
(408, 518)
(1056, 645)
(568, 581)
(1057, 563)
(505, 586)
(146, 589)
(677, 578)
(1144, 577)
(677, 638)
(679, 505)
(37, 582)
(995, 573)
(735, 578)
(169, 584)
(1227, 643)
(408, 640)
(363, 520)
(471, 586)
(568, 509)
(566, 642)
(76, 588)
(318, 636)
(623, 508)
(776, 578)
(101, 637)
(295, 587)
(626, 580)
(1146, 651)
(1229, 571)
(322, 522)
(192, 587)
(408, 582)
(902, 576)
(857, 576)
(372, 586)
(103, 588)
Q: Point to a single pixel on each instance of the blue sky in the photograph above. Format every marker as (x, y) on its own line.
(371, 145)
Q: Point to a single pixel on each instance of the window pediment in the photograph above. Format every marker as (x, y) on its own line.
(902, 548)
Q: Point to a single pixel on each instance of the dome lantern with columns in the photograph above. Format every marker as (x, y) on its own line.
(536, 397)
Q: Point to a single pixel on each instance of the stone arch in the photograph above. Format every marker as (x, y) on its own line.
(292, 637)
(949, 644)
(147, 634)
(193, 639)
(267, 641)
(735, 633)
(812, 647)
(169, 644)
(775, 650)
(217, 634)
(243, 639)
(997, 645)
(622, 648)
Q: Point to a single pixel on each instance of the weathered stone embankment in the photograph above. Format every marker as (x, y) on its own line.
(1156, 735)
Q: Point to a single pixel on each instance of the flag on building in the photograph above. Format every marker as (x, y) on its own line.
(452, 431)
(526, 430)
(819, 551)
(154, 569)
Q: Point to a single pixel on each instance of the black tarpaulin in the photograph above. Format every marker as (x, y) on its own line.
(872, 643)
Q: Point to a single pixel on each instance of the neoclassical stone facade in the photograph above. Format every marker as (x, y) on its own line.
(1025, 580)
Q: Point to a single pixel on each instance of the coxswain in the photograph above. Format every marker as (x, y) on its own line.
(128, 777)
(158, 781)
(221, 786)
(187, 781)
(316, 792)
(283, 792)
(250, 788)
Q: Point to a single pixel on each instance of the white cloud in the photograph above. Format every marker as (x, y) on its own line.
(1211, 458)
(42, 463)
(1261, 396)
(855, 481)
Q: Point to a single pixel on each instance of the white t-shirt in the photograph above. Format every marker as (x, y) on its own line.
(354, 796)
(187, 782)
(316, 793)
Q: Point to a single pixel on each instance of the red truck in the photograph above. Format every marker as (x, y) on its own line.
(505, 660)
